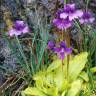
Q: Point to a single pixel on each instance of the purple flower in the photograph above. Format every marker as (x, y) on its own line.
(62, 23)
(63, 44)
(71, 12)
(61, 1)
(62, 51)
(66, 15)
(58, 13)
(51, 45)
(19, 27)
(86, 18)
(56, 49)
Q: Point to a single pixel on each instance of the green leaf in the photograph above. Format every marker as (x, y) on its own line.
(54, 65)
(84, 76)
(60, 79)
(75, 88)
(39, 79)
(51, 91)
(93, 70)
(64, 93)
(76, 65)
(53, 81)
(33, 91)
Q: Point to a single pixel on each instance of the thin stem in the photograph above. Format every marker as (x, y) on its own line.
(87, 2)
(68, 57)
(67, 38)
(24, 39)
(81, 33)
(90, 74)
(65, 1)
(23, 55)
(13, 50)
(41, 55)
(62, 65)
(62, 34)
(32, 68)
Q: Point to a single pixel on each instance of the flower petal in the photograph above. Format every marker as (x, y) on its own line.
(51, 45)
(81, 21)
(63, 15)
(91, 20)
(14, 32)
(86, 18)
(68, 51)
(61, 55)
(61, 1)
(11, 32)
(75, 15)
(72, 16)
(71, 6)
(63, 44)
(19, 22)
(25, 30)
(79, 13)
(57, 49)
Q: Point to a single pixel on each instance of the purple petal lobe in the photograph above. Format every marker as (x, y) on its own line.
(19, 25)
(18, 28)
(62, 23)
(51, 45)
(63, 44)
(25, 30)
(63, 15)
(69, 8)
(61, 55)
(61, 51)
(86, 18)
(79, 13)
(57, 49)
(61, 1)
(68, 51)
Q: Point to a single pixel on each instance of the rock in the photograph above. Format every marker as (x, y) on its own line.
(2, 58)
(2, 79)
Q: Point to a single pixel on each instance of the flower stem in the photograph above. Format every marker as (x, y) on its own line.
(22, 53)
(62, 65)
(68, 45)
(62, 35)
(87, 2)
(65, 1)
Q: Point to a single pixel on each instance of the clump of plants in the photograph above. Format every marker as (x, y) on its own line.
(58, 81)
(52, 66)
(68, 76)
